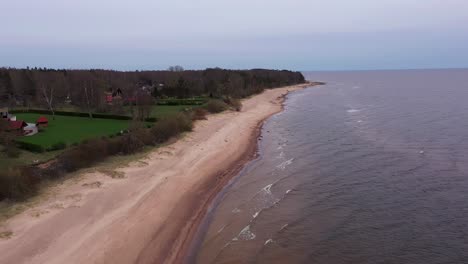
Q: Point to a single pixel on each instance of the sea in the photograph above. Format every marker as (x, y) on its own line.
(370, 168)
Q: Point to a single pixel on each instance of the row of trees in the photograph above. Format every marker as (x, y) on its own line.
(86, 89)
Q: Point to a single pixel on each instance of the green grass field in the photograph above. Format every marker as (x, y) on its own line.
(160, 111)
(69, 129)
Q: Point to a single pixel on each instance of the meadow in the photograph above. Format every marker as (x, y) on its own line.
(70, 129)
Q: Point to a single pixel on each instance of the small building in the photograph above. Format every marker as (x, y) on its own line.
(42, 121)
(17, 126)
(30, 129)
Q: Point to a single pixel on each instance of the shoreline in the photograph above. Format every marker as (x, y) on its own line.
(195, 238)
(154, 213)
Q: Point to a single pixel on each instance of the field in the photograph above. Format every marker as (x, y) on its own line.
(160, 111)
(70, 129)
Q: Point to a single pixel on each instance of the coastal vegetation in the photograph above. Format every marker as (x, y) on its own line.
(94, 114)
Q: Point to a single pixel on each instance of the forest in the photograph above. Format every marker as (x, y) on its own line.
(87, 90)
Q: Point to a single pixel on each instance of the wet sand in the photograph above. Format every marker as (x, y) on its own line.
(151, 214)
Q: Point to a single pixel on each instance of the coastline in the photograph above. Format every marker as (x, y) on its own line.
(153, 214)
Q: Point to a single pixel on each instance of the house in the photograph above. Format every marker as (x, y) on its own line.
(112, 96)
(17, 126)
(42, 121)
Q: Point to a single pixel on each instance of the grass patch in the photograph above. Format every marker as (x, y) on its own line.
(70, 129)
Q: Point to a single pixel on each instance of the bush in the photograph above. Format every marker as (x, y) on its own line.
(57, 146)
(17, 184)
(85, 154)
(199, 113)
(235, 103)
(170, 127)
(216, 106)
(130, 143)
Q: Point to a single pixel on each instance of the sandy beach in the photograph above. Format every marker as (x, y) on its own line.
(151, 213)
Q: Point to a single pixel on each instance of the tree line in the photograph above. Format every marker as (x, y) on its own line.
(87, 89)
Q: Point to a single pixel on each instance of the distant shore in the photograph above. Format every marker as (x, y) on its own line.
(151, 214)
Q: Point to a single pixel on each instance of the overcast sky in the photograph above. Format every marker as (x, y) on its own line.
(286, 34)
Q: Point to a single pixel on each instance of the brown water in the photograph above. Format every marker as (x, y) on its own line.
(370, 168)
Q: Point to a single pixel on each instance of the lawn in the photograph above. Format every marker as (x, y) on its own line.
(70, 129)
(160, 111)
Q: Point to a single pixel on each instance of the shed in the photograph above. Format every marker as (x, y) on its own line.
(17, 125)
(30, 129)
(42, 121)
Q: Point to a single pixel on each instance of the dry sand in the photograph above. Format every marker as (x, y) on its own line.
(151, 214)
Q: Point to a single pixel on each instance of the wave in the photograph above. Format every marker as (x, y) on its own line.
(284, 164)
(245, 234)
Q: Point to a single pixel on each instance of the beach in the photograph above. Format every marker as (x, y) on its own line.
(151, 213)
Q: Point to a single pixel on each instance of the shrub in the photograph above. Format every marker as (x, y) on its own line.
(85, 154)
(235, 103)
(130, 143)
(17, 184)
(216, 106)
(199, 113)
(170, 127)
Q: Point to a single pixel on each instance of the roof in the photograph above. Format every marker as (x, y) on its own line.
(19, 124)
(42, 119)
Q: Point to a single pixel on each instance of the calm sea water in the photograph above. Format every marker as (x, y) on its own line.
(370, 168)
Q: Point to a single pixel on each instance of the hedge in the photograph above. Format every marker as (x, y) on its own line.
(77, 114)
(30, 146)
(80, 114)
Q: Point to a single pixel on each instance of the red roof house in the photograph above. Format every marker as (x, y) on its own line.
(42, 121)
(17, 125)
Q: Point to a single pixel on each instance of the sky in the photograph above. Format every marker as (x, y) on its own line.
(238, 34)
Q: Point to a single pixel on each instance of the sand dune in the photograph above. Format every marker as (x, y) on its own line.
(149, 215)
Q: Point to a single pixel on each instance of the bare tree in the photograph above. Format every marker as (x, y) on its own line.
(143, 105)
(88, 104)
(48, 94)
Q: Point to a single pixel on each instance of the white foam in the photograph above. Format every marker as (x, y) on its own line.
(268, 242)
(256, 214)
(353, 111)
(284, 164)
(267, 188)
(284, 226)
(236, 211)
(221, 229)
(246, 234)
(288, 191)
